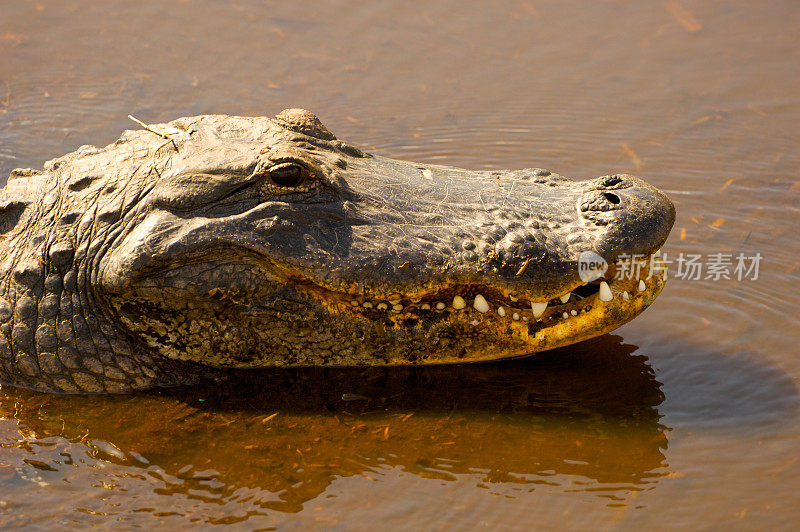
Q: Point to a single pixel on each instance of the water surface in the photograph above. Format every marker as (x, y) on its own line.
(687, 416)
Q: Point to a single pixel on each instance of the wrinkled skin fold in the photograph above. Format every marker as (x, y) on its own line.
(248, 242)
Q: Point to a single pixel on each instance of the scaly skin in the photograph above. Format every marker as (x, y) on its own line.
(244, 242)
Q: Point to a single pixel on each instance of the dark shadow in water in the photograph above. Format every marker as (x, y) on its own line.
(586, 413)
(599, 377)
(582, 417)
(738, 392)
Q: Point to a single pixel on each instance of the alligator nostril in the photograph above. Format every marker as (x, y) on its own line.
(600, 201)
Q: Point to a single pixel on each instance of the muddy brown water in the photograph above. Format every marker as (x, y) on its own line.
(686, 417)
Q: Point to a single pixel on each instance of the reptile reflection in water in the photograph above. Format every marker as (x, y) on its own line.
(571, 417)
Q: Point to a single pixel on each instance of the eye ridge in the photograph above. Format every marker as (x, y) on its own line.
(289, 175)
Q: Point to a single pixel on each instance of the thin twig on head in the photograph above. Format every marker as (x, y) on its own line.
(151, 130)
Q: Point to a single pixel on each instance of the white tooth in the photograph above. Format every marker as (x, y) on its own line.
(605, 292)
(440, 306)
(382, 306)
(480, 304)
(538, 309)
(573, 312)
(642, 286)
(475, 323)
(459, 303)
(626, 296)
(565, 297)
(565, 315)
(425, 306)
(512, 298)
(515, 317)
(524, 318)
(397, 308)
(501, 311)
(367, 304)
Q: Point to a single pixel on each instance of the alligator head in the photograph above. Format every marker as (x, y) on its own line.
(233, 241)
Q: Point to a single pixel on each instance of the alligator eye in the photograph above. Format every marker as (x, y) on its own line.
(289, 176)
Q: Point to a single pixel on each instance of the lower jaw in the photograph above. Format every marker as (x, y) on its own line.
(518, 332)
(602, 318)
(455, 334)
(482, 330)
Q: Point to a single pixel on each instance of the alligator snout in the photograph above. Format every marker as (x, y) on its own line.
(638, 216)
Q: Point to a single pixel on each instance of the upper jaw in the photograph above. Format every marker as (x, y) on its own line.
(443, 289)
(409, 235)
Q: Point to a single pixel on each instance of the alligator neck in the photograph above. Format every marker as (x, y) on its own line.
(53, 336)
